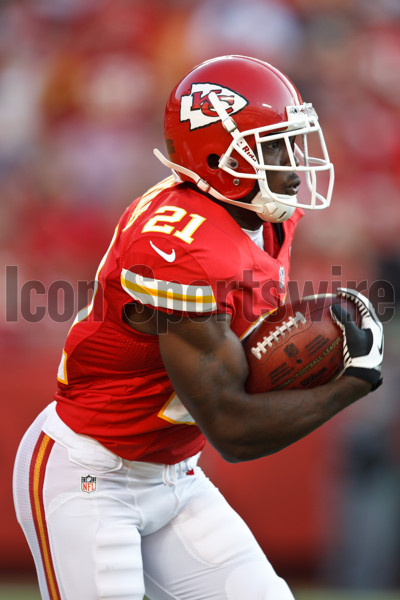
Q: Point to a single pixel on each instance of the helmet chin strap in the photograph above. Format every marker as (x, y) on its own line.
(267, 208)
(274, 211)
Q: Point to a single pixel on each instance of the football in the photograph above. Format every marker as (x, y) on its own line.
(298, 346)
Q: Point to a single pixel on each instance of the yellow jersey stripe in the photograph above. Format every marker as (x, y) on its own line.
(167, 294)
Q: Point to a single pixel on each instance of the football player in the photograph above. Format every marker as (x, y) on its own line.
(107, 486)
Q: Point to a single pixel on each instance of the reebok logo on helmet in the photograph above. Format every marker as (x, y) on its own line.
(197, 108)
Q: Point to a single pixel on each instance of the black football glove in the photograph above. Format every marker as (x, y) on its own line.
(362, 346)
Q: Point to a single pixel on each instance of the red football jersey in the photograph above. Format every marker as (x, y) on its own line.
(176, 250)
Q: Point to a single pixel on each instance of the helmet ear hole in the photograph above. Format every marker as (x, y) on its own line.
(213, 161)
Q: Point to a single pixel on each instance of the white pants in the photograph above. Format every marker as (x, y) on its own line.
(100, 527)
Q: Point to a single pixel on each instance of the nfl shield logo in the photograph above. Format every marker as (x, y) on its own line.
(88, 484)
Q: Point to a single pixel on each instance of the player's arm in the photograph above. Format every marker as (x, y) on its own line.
(207, 367)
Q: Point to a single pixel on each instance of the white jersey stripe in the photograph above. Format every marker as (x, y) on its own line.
(167, 294)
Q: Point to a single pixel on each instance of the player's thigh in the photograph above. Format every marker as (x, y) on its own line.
(207, 551)
(85, 545)
(94, 538)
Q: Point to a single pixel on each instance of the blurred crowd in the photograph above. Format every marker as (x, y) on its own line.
(83, 84)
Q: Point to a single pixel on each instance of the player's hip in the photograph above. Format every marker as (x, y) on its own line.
(56, 467)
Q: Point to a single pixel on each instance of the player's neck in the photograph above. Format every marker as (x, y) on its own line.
(246, 219)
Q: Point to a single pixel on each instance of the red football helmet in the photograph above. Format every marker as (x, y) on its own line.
(216, 121)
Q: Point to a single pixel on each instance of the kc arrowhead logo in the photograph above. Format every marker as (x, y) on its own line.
(197, 108)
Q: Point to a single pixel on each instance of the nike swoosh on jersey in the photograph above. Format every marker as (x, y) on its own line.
(168, 256)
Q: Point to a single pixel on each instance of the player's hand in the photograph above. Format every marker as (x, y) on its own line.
(362, 346)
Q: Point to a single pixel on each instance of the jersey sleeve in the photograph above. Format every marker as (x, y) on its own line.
(173, 274)
(176, 253)
(187, 281)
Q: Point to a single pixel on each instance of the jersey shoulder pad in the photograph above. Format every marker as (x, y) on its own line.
(177, 252)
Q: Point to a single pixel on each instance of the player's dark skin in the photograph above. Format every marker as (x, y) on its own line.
(207, 366)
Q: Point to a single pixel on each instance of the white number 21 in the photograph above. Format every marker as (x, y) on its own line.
(160, 223)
